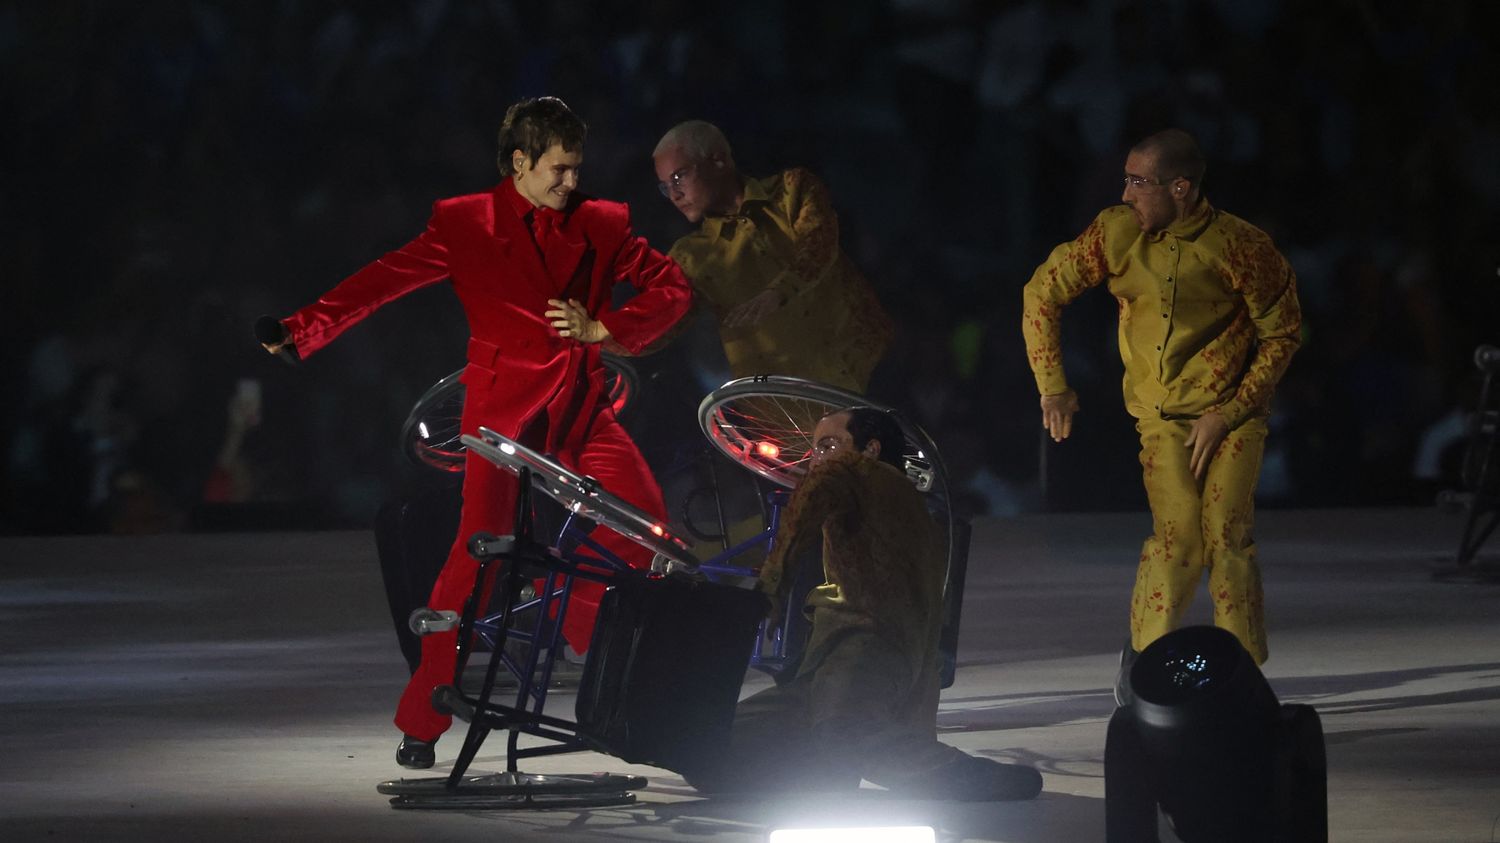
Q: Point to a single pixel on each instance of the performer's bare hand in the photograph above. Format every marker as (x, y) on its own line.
(1057, 414)
(748, 313)
(572, 320)
(1204, 437)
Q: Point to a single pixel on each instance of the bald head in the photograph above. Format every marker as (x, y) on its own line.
(695, 170)
(697, 140)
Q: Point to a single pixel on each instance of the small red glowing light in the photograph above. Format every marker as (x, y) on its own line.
(656, 528)
(769, 450)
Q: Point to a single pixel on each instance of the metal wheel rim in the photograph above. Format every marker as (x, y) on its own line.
(431, 436)
(778, 449)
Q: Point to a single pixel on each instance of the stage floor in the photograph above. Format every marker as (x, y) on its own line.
(240, 687)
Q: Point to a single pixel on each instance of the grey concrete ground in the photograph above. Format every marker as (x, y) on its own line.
(239, 687)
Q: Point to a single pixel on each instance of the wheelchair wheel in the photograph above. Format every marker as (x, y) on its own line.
(765, 423)
(430, 436)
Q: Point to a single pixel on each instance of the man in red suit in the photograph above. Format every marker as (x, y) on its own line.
(534, 264)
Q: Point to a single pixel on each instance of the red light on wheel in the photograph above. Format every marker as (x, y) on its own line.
(769, 450)
(656, 529)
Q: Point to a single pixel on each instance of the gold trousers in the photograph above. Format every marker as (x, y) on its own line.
(1197, 525)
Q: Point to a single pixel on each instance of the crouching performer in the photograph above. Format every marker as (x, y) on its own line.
(862, 703)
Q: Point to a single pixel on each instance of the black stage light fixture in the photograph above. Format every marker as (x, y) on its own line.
(1206, 741)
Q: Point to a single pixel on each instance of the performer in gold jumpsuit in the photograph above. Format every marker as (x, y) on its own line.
(1209, 320)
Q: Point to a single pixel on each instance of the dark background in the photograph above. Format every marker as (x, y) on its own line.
(173, 170)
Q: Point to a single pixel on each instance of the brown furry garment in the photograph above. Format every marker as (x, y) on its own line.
(882, 563)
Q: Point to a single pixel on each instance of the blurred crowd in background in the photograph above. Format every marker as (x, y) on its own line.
(175, 169)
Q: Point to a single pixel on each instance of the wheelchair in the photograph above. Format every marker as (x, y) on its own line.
(671, 644)
(415, 531)
(663, 670)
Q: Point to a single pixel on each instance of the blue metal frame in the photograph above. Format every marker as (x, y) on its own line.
(571, 554)
(545, 633)
(573, 536)
(778, 635)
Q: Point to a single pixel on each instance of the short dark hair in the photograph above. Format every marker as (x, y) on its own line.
(866, 423)
(533, 126)
(1177, 154)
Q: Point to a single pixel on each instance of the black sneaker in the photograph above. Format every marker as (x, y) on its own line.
(970, 778)
(416, 754)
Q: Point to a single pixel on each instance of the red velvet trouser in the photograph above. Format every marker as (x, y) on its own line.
(489, 494)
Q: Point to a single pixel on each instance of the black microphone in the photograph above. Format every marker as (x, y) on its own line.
(270, 331)
(1487, 358)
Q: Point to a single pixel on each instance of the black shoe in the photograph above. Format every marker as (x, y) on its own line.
(416, 754)
(970, 778)
(1123, 694)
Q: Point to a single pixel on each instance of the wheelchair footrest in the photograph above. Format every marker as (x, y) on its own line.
(449, 700)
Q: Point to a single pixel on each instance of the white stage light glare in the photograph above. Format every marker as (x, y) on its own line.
(890, 834)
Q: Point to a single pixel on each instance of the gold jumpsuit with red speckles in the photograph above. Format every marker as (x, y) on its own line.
(1209, 320)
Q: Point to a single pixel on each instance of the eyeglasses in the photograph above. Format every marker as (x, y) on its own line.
(828, 444)
(674, 181)
(1142, 181)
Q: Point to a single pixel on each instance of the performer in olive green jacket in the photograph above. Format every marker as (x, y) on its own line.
(766, 259)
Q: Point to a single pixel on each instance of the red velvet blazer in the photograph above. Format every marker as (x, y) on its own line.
(518, 366)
